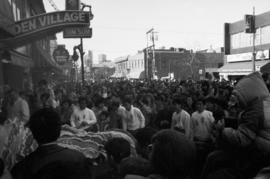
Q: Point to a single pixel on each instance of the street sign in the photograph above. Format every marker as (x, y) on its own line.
(77, 32)
(61, 55)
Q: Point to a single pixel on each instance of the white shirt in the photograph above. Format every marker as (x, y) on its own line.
(20, 109)
(201, 123)
(182, 121)
(134, 119)
(85, 115)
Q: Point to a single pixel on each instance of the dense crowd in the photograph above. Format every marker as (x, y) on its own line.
(181, 129)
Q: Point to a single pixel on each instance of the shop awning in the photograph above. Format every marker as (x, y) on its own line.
(242, 68)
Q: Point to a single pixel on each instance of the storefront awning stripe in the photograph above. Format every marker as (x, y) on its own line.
(242, 66)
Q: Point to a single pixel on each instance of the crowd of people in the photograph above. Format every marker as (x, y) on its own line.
(182, 129)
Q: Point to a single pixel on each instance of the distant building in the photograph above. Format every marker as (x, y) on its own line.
(88, 59)
(131, 67)
(181, 64)
(102, 70)
(102, 58)
(238, 47)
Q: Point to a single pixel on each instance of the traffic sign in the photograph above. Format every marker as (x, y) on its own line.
(77, 32)
(61, 55)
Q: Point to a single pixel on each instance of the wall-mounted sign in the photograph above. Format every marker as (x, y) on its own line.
(260, 55)
(52, 20)
(61, 55)
(77, 32)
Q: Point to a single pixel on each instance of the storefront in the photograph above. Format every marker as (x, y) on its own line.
(238, 47)
(241, 64)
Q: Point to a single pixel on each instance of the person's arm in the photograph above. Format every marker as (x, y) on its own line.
(92, 119)
(73, 119)
(141, 118)
(187, 125)
(247, 130)
(25, 111)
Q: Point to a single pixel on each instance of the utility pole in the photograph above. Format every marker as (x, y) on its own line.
(253, 43)
(153, 68)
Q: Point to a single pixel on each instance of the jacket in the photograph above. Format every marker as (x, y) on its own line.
(254, 125)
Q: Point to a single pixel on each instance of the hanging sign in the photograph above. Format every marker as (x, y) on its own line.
(61, 55)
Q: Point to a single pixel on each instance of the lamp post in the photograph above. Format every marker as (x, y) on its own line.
(75, 58)
(80, 46)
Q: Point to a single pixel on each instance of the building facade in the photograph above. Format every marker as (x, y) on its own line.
(130, 67)
(181, 64)
(23, 65)
(102, 58)
(238, 47)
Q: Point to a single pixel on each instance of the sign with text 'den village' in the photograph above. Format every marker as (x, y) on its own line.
(51, 21)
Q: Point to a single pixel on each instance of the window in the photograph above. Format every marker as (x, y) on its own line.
(265, 35)
(242, 39)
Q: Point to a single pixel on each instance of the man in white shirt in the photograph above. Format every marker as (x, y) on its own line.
(20, 108)
(181, 119)
(202, 121)
(83, 117)
(134, 118)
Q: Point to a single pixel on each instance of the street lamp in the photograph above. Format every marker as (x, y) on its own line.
(80, 46)
(75, 58)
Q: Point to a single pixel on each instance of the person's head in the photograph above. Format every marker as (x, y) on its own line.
(173, 155)
(82, 102)
(66, 103)
(117, 149)
(104, 115)
(177, 102)
(58, 94)
(143, 137)
(200, 105)
(115, 103)
(127, 102)
(189, 101)
(99, 102)
(43, 84)
(14, 95)
(45, 125)
(210, 104)
(44, 97)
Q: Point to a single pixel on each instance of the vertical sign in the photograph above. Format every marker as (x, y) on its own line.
(73, 4)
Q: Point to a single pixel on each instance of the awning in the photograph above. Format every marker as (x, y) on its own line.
(242, 68)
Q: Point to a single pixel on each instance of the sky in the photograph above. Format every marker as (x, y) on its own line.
(120, 26)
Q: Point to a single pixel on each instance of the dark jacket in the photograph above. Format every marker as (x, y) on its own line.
(254, 126)
(52, 161)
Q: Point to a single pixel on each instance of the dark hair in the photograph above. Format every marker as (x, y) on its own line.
(45, 125)
(177, 100)
(42, 82)
(127, 99)
(118, 148)
(45, 96)
(173, 155)
(66, 101)
(143, 137)
(135, 166)
(82, 98)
